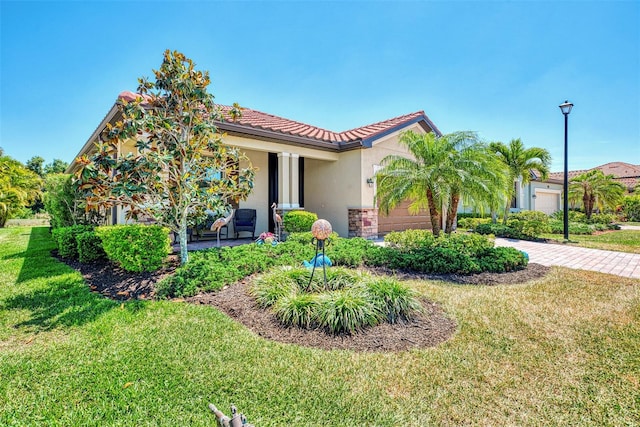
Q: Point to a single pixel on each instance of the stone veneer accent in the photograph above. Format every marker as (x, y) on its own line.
(363, 222)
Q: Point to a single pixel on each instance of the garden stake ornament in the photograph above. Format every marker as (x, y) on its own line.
(321, 230)
(236, 420)
(277, 220)
(221, 222)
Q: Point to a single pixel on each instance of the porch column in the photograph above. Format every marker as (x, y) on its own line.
(294, 185)
(284, 180)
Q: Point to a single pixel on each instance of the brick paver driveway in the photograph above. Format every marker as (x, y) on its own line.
(618, 263)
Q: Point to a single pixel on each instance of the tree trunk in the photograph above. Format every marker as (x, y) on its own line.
(506, 212)
(182, 234)
(452, 210)
(434, 213)
(585, 204)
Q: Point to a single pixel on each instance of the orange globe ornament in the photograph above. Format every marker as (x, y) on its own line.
(321, 229)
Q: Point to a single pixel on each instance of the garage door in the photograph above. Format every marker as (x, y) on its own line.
(547, 202)
(399, 219)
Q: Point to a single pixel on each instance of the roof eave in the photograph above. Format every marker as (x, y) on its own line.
(423, 120)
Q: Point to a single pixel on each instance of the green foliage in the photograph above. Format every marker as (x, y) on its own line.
(346, 310)
(519, 161)
(631, 208)
(410, 239)
(66, 239)
(89, 246)
(557, 227)
(440, 168)
(178, 145)
(472, 223)
(298, 221)
(601, 218)
(135, 247)
(398, 301)
(595, 190)
(469, 244)
(529, 223)
(348, 252)
(60, 200)
(498, 230)
(574, 216)
(502, 259)
(297, 309)
(19, 187)
(22, 213)
(349, 302)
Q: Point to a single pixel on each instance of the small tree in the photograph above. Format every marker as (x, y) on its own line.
(19, 186)
(598, 191)
(182, 166)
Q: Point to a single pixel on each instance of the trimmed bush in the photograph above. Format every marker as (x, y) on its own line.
(135, 247)
(529, 223)
(498, 230)
(348, 252)
(65, 238)
(410, 239)
(631, 208)
(298, 221)
(89, 247)
(465, 243)
(557, 227)
(502, 259)
(472, 223)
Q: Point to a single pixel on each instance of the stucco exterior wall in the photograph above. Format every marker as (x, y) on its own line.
(258, 198)
(331, 188)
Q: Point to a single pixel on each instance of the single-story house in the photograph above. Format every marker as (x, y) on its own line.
(301, 166)
(546, 195)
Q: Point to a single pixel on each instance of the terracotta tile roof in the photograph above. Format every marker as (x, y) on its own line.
(259, 120)
(624, 173)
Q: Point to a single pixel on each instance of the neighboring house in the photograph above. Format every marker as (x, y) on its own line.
(546, 196)
(301, 166)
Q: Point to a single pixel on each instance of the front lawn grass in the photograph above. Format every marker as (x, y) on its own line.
(618, 240)
(560, 351)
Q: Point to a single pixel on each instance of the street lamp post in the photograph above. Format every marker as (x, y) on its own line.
(566, 109)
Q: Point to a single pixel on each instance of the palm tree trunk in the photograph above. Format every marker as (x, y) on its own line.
(434, 213)
(451, 212)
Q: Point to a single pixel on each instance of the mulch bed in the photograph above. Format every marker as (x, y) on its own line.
(425, 330)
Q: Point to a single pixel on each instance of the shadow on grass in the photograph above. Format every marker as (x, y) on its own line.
(60, 298)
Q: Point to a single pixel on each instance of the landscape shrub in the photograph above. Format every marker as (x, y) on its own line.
(602, 218)
(574, 216)
(65, 238)
(465, 243)
(529, 223)
(399, 302)
(89, 247)
(349, 302)
(502, 259)
(410, 239)
(298, 221)
(557, 227)
(471, 223)
(631, 207)
(135, 247)
(498, 230)
(348, 252)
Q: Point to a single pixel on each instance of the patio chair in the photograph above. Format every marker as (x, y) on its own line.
(245, 221)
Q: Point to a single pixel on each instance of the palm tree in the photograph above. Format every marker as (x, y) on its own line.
(18, 187)
(441, 170)
(519, 161)
(597, 190)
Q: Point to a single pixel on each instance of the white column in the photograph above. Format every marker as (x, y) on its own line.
(284, 180)
(294, 184)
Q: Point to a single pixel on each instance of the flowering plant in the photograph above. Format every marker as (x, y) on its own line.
(268, 238)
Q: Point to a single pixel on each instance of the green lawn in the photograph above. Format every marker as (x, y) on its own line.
(560, 351)
(620, 240)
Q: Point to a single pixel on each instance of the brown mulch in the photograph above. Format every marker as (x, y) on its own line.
(428, 329)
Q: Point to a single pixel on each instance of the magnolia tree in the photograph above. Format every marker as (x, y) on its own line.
(181, 166)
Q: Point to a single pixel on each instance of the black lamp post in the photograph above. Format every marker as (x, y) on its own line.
(566, 109)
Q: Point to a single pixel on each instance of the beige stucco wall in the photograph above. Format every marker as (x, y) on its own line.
(331, 188)
(258, 199)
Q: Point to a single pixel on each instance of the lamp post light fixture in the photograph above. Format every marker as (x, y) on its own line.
(566, 109)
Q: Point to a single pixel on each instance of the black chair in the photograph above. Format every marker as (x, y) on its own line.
(245, 220)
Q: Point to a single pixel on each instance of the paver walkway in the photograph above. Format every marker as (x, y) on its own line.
(618, 263)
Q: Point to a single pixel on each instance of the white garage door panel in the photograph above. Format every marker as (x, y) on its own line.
(546, 202)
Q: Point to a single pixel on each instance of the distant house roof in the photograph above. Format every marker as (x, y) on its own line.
(624, 173)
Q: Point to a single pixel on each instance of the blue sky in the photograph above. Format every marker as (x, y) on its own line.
(500, 68)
